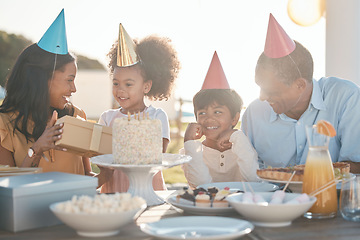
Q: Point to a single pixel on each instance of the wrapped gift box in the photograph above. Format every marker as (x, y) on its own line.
(25, 200)
(85, 138)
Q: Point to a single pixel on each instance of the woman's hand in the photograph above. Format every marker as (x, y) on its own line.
(193, 132)
(51, 134)
(104, 176)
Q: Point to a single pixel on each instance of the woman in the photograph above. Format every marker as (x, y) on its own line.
(38, 91)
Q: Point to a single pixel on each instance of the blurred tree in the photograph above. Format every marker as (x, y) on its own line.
(87, 63)
(11, 46)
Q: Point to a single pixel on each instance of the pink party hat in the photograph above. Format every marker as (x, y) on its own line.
(215, 77)
(278, 44)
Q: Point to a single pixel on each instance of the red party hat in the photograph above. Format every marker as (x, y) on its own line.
(215, 77)
(278, 44)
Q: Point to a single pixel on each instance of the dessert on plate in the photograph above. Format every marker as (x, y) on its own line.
(220, 198)
(341, 169)
(200, 197)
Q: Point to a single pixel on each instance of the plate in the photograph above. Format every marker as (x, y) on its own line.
(168, 160)
(198, 227)
(15, 171)
(296, 186)
(279, 181)
(239, 186)
(188, 207)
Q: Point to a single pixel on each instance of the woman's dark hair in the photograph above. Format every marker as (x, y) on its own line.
(27, 91)
(297, 64)
(159, 63)
(224, 97)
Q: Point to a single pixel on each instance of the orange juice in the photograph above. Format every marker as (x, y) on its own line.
(318, 172)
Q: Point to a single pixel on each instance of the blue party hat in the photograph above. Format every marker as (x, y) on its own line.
(54, 39)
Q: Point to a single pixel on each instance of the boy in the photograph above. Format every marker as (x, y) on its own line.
(226, 155)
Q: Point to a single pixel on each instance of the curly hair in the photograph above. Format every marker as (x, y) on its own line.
(297, 64)
(158, 63)
(27, 90)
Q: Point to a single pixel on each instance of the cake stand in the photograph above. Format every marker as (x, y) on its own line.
(140, 176)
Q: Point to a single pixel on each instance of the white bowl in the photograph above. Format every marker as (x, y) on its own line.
(97, 225)
(272, 215)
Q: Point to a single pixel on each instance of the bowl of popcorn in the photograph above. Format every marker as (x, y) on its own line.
(101, 215)
(271, 209)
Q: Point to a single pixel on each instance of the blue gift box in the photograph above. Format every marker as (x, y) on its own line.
(25, 199)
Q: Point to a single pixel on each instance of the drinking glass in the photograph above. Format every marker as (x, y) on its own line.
(350, 199)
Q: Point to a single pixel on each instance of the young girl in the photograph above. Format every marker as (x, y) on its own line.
(152, 76)
(226, 154)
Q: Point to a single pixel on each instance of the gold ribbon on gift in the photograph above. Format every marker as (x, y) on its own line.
(95, 138)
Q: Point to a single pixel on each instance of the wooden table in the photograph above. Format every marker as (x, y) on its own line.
(302, 228)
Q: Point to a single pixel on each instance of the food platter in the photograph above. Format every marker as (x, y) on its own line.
(296, 186)
(239, 186)
(198, 227)
(189, 207)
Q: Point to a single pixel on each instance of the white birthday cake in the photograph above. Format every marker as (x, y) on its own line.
(137, 141)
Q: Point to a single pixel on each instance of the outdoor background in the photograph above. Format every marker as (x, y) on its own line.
(236, 29)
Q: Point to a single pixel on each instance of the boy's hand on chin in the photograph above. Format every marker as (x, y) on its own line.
(223, 140)
(193, 132)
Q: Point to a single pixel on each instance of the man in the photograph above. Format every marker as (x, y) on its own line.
(290, 99)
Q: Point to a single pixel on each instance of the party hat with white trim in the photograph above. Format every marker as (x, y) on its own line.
(126, 55)
(54, 39)
(278, 44)
(215, 77)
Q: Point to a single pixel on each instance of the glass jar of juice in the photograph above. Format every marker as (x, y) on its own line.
(318, 172)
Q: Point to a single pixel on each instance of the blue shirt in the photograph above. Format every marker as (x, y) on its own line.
(280, 141)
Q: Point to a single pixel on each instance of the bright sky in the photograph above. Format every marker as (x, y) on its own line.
(236, 29)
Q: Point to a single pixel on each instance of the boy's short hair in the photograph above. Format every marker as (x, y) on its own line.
(225, 97)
